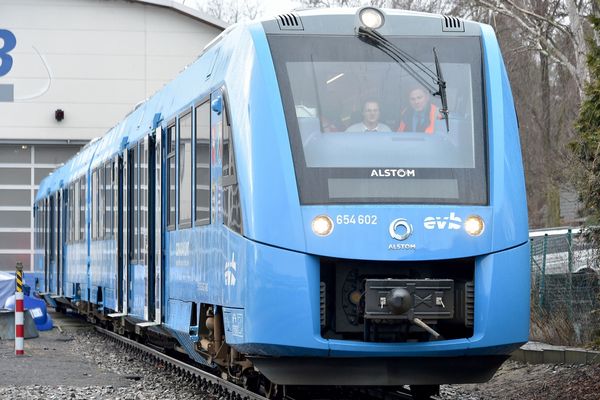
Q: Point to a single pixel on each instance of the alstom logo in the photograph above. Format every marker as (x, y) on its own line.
(451, 222)
(396, 173)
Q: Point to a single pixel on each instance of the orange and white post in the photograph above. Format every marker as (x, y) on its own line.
(19, 317)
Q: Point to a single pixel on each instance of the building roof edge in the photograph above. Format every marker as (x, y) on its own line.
(183, 9)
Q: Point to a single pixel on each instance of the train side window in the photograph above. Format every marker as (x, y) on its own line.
(115, 183)
(82, 205)
(52, 229)
(94, 205)
(185, 170)
(108, 200)
(232, 209)
(135, 206)
(76, 212)
(70, 214)
(170, 173)
(143, 217)
(202, 215)
(101, 202)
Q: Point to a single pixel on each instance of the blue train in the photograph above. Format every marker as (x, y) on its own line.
(328, 197)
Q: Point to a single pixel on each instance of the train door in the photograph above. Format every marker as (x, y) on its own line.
(117, 205)
(121, 228)
(46, 235)
(140, 268)
(52, 244)
(124, 204)
(59, 238)
(157, 271)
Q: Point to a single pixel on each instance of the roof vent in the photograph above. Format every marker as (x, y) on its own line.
(289, 22)
(452, 24)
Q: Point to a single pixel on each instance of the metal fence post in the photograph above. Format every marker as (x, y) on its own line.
(570, 275)
(542, 293)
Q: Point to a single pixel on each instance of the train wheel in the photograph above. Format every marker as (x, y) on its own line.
(272, 390)
(251, 381)
(424, 392)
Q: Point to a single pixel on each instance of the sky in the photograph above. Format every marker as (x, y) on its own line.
(268, 7)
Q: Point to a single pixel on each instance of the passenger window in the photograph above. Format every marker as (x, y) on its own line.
(100, 212)
(135, 199)
(143, 217)
(202, 215)
(94, 211)
(108, 200)
(185, 170)
(76, 212)
(232, 210)
(171, 177)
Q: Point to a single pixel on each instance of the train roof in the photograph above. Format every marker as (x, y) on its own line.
(69, 172)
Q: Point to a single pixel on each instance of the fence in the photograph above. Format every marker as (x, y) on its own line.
(564, 288)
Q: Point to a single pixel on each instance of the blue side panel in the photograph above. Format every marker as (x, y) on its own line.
(197, 270)
(261, 142)
(507, 190)
(38, 268)
(52, 277)
(287, 285)
(75, 269)
(502, 294)
(284, 298)
(178, 317)
(103, 272)
(137, 293)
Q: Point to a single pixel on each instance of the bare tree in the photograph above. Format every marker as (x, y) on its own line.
(541, 21)
(230, 11)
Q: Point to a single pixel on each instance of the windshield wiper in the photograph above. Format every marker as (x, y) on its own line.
(421, 73)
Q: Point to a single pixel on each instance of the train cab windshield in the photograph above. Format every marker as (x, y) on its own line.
(365, 129)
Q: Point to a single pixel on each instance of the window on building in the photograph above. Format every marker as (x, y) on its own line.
(202, 216)
(185, 170)
(171, 146)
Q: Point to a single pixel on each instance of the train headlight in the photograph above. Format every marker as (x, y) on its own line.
(371, 17)
(474, 225)
(322, 225)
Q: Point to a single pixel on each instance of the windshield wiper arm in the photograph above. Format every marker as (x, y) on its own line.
(442, 89)
(420, 74)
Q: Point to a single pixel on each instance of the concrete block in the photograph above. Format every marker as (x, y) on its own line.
(518, 355)
(7, 325)
(554, 356)
(534, 356)
(575, 356)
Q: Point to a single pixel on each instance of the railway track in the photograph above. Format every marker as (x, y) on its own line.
(222, 389)
(208, 383)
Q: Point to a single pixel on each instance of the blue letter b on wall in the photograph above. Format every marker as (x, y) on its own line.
(10, 41)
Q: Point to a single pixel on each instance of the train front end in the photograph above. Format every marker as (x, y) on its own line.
(392, 246)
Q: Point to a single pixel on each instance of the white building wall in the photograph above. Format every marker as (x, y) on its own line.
(93, 59)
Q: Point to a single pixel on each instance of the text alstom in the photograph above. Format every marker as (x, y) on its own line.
(400, 173)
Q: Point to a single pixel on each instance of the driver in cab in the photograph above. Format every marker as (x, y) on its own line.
(421, 115)
(370, 122)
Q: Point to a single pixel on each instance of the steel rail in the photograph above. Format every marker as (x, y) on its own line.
(227, 390)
